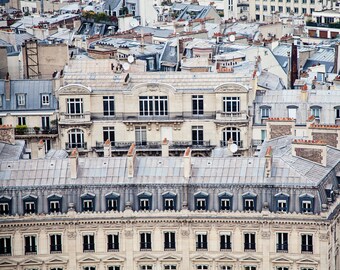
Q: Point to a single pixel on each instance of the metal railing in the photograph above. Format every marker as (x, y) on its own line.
(201, 245)
(326, 25)
(282, 247)
(249, 246)
(35, 131)
(55, 248)
(307, 248)
(88, 247)
(225, 246)
(225, 143)
(81, 146)
(5, 251)
(112, 246)
(145, 246)
(30, 249)
(169, 246)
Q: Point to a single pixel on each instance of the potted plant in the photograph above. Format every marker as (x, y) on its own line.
(20, 129)
(36, 129)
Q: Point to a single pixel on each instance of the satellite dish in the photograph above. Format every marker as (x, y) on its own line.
(126, 66)
(233, 148)
(231, 38)
(133, 23)
(131, 59)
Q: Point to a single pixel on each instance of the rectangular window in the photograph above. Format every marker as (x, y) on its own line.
(280, 8)
(87, 205)
(197, 135)
(153, 105)
(225, 204)
(201, 204)
(54, 206)
(197, 105)
(4, 209)
(296, 10)
(250, 268)
(5, 245)
(56, 268)
(226, 267)
(45, 123)
(202, 267)
(304, 11)
(45, 100)
(21, 99)
(337, 113)
(264, 8)
(249, 205)
(29, 207)
(257, 7)
(265, 112)
(145, 267)
(282, 205)
(231, 104)
(249, 242)
(292, 113)
(109, 105)
(112, 204)
(169, 204)
(144, 204)
(113, 242)
(282, 242)
(89, 268)
(170, 267)
(75, 106)
(145, 241)
(307, 207)
(272, 8)
(306, 243)
(55, 243)
(140, 135)
(115, 267)
(169, 241)
(88, 243)
(315, 112)
(201, 241)
(282, 268)
(109, 134)
(48, 145)
(30, 244)
(225, 241)
(21, 120)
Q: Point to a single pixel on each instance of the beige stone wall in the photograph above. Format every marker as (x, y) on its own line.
(3, 62)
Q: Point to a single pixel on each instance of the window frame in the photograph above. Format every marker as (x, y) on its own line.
(33, 245)
(282, 242)
(201, 241)
(108, 106)
(58, 245)
(112, 242)
(167, 196)
(5, 245)
(30, 200)
(145, 241)
(231, 105)
(89, 245)
(282, 197)
(5, 200)
(200, 197)
(153, 106)
(169, 240)
(225, 245)
(248, 198)
(88, 198)
(45, 100)
(142, 198)
(54, 198)
(304, 200)
(21, 100)
(249, 245)
(308, 247)
(225, 196)
(197, 103)
(112, 196)
(75, 106)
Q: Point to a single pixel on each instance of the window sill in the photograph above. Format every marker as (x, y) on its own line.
(250, 250)
(201, 249)
(306, 252)
(31, 253)
(86, 251)
(282, 250)
(55, 252)
(145, 249)
(113, 250)
(225, 249)
(169, 249)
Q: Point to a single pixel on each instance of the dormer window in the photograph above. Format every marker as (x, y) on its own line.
(21, 100)
(5, 205)
(315, 111)
(292, 111)
(87, 202)
(45, 99)
(30, 204)
(249, 201)
(54, 203)
(169, 201)
(201, 201)
(225, 201)
(265, 112)
(282, 202)
(307, 203)
(112, 201)
(145, 201)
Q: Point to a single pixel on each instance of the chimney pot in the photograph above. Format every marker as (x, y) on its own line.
(41, 149)
(187, 163)
(131, 160)
(74, 163)
(107, 148)
(165, 148)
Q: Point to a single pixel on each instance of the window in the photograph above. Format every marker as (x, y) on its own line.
(21, 99)
(225, 241)
(144, 201)
(153, 105)
(87, 202)
(197, 105)
(264, 8)
(201, 201)
(197, 135)
(30, 244)
(272, 8)
(307, 268)
(89, 268)
(249, 202)
(337, 112)
(292, 112)
(231, 104)
(170, 267)
(288, 8)
(226, 267)
(56, 268)
(169, 201)
(307, 243)
(257, 7)
(55, 243)
(304, 11)
(225, 200)
(76, 139)
(202, 267)
(265, 112)
(145, 267)
(282, 242)
(307, 203)
(5, 205)
(21, 120)
(30, 204)
(151, 64)
(232, 133)
(201, 241)
(45, 99)
(169, 241)
(109, 134)
(249, 242)
(113, 242)
(88, 243)
(296, 10)
(282, 268)
(140, 135)
(282, 202)
(315, 111)
(112, 201)
(145, 241)
(280, 8)
(250, 268)
(115, 267)
(54, 203)
(109, 105)
(45, 123)
(5, 245)
(75, 106)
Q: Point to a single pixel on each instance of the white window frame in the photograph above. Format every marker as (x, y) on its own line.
(265, 112)
(21, 99)
(54, 203)
(249, 203)
(146, 267)
(3, 206)
(21, 120)
(292, 112)
(45, 99)
(201, 203)
(30, 204)
(170, 267)
(233, 102)
(304, 205)
(202, 267)
(71, 106)
(88, 203)
(169, 203)
(282, 203)
(225, 203)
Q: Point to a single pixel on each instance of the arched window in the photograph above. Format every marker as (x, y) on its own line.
(233, 133)
(76, 139)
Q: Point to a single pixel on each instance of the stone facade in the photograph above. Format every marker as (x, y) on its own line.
(310, 154)
(7, 134)
(280, 130)
(329, 138)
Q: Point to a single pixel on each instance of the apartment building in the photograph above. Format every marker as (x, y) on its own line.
(197, 110)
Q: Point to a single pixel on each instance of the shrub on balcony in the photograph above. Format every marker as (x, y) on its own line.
(20, 129)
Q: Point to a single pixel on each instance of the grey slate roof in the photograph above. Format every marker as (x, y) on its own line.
(11, 152)
(112, 3)
(157, 32)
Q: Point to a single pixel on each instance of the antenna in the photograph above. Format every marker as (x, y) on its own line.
(233, 148)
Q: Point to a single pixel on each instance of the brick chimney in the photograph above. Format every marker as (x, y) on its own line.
(107, 148)
(7, 134)
(41, 149)
(131, 160)
(165, 148)
(187, 163)
(8, 87)
(74, 163)
(278, 127)
(310, 121)
(313, 150)
(304, 93)
(269, 161)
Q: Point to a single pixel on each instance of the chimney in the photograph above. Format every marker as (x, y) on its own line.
(107, 148)
(165, 148)
(310, 121)
(131, 160)
(313, 150)
(294, 70)
(74, 163)
(189, 29)
(337, 59)
(187, 163)
(304, 94)
(41, 149)
(7, 134)
(8, 87)
(269, 161)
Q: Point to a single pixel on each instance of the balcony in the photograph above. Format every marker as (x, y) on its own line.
(324, 25)
(201, 245)
(112, 247)
(235, 117)
(225, 246)
(169, 246)
(225, 143)
(75, 118)
(55, 249)
(79, 146)
(30, 250)
(282, 248)
(33, 132)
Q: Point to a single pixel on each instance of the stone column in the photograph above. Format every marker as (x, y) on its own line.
(185, 245)
(129, 235)
(323, 247)
(72, 246)
(265, 238)
(100, 241)
(17, 245)
(43, 247)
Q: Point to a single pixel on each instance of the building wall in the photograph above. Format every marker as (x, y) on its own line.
(3, 62)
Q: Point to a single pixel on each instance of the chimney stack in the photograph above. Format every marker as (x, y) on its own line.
(313, 150)
(41, 149)
(74, 163)
(8, 87)
(337, 58)
(107, 148)
(187, 163)
(269, 161)
(165, 148)
(131, 160)
(7, 134)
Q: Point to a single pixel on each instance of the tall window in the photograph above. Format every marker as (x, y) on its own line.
(282, 242)
(76, 139)
(21, 120)
(112, 202)
(225, 201)
(315, 111)
(307, 243)
(45, 99)
(45, 122)
(145, 200)
(87, 202)
(197, 135)
(109, 105)
(282, 202)
(30, 244)
(201, 201)
(145, 241)
(231, 104)
(30, 204)
(153, 105)
(169, 241)
(88, 243)
(231, 133)
(249, 202)
(75, 106)
(140, 135)
(113, 242)
(292, 112)
(307, 203)
(201, 241)
(265, 112)
(21, 100)
(5, 245)
(109, 134)
(5, 205)
(169, 201)
(55, 243)
(54, 203)
(249, 242)
(225, 241)
(197, 105)
(250, 268)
